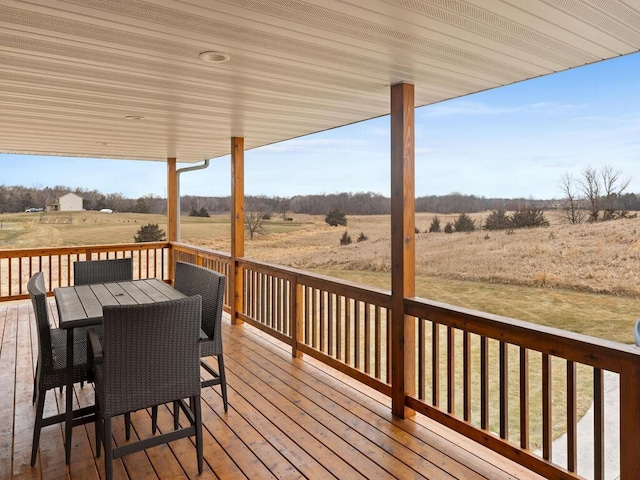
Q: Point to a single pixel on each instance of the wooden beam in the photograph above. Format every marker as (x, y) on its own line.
(173, 216)
(237, 226)
(402, 245)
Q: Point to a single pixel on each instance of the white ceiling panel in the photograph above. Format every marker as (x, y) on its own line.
(73, 70)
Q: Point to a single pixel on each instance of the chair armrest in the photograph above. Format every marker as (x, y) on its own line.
(95, 347)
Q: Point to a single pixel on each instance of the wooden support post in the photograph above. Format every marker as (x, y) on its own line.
(237, 226)
(173, 215)
(295, 316)
(402, 246)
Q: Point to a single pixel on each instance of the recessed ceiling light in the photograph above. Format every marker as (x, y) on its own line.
(134, 117)
(215, 57)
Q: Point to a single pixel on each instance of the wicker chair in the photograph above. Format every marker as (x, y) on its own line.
(192, 279)
(195, 280)
(52, 361)
(102, 271)
(149, 356)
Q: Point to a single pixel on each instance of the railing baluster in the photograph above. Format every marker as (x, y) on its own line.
(51, 273)
(598, 424)
(256, 295)
(314, 318)
(266, 316)
(388, 343)
(524, 398)
(280, 304)
(307, 301)
(20, 260)
(504, 391)
(546, 408)
(246, 292)
(339, 300)
(451, 370)
(323, 312)
(422, 359)
(484, 383)
(330, 323)
(272, 309)
(347, 331)
(466, 375)
(59, 269)
(378, 337)
(367, 338)
(264, 296)
(10, 276)
(572, 418)
(286, 292)
(249, 293)
(356, 334)
(435, 364)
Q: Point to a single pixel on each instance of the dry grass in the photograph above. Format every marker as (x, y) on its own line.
(603, 257)
(582, 278)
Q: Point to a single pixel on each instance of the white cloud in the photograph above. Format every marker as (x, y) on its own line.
(467, 107)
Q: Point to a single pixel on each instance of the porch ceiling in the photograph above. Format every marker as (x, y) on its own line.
(73, 70)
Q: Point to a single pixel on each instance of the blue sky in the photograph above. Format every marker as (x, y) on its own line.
(515, 141)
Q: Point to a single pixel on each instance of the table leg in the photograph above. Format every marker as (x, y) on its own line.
(68, 422)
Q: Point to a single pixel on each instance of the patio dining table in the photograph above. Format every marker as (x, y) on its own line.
(81, 306)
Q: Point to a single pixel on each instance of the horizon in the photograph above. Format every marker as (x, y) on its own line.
(451, 194)
(510, 142)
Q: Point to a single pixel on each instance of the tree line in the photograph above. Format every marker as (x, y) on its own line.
(20, 198)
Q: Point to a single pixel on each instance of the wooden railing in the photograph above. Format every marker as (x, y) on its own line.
(17, 266)
(339, 323)
(488, 377)
(476, 351)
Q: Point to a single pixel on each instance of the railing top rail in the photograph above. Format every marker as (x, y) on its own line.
(193, 248)
(367, 293)
(576, 347)
(33, 252)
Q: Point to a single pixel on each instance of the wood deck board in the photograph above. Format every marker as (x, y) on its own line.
(394, 442)
(287, 418)
(381, 449)
(436, 439)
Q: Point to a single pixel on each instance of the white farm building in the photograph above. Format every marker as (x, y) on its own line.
(69, 202)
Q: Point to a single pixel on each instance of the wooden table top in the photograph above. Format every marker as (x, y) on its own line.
(81, 305)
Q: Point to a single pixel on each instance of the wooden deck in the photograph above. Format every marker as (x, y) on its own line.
(287, 419)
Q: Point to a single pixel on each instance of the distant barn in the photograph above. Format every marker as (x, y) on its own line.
(69, 202)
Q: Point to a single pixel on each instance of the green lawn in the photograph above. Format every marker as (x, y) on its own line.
(599, 315)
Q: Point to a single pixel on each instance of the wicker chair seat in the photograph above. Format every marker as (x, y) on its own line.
(57, 377)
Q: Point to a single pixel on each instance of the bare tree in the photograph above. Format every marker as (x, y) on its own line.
(590, 186)
(254, 218)
(612, 188)
(573, 211)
